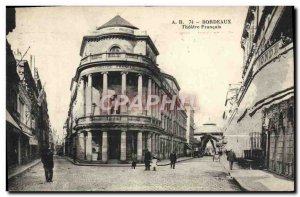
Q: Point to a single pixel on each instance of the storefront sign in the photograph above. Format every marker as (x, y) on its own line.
(266, 56)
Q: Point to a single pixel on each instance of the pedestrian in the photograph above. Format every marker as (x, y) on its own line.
(147, 160)
(154, 162)
(134, 160)
(47, 160)
(231, 157)
(173, 159)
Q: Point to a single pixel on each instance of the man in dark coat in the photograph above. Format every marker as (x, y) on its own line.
(231, 157)
(173, 159)
(47, 160)
(147, 160)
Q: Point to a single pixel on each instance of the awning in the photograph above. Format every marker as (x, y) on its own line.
(27, 134)
(10, 119)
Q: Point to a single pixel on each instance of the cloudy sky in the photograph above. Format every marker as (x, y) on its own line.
(203, 61)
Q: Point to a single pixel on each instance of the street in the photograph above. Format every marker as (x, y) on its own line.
(200, 174)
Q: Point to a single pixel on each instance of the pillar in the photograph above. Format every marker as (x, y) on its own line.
(123, 90)
(88, 143)
(153, 107)
(89, 95)
(149, 142)
(19, 150)
(156, 106)
(105, 90)
(149, 94)
(139, 146)
(157, 144)
(82, 88)
(140, 90)
(104, 146)
(80, 147)
(123, 145)
(153, 143)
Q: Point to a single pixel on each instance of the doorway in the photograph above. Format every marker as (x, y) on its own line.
(114, 142)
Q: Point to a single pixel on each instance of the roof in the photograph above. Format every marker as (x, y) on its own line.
(207, 128)
(117, 21)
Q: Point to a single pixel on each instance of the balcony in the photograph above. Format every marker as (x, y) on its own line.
(103, 57)
(117, 118)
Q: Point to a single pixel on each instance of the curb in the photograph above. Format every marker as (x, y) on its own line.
(22, 171)
(118, 165)
(234, 179)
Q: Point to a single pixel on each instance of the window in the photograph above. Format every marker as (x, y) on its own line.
(114, 51)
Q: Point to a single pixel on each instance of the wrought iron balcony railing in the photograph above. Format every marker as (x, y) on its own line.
(116, 57)
(119, 118)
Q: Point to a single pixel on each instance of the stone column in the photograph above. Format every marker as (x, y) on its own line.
(139, 146)
(156, 106)
(157, 144)
(149, 142)
(80, 147)
(123, 145)
(153, 143)
(82, 90)
(19, 150)
(88, 146)
(159, 111)
(104, 146)
(105, 91)
(149, 92)
(140, 90)
(89, 95)
(123, 91)
(153, 107)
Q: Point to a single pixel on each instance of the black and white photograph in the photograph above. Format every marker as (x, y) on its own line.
(150, 99)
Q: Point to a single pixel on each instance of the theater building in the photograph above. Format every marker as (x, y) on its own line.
(259, 113)
(119, 59)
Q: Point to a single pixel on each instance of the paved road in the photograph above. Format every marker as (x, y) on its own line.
(199, 174)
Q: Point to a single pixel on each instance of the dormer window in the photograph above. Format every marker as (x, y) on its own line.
(114, 51)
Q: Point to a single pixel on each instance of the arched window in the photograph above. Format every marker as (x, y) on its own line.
(114, 51)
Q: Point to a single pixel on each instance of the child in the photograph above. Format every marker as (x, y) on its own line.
(154, 163)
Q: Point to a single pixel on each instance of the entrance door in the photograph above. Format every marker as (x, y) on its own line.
(114, 141)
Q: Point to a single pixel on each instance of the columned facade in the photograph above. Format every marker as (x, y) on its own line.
(111, 127)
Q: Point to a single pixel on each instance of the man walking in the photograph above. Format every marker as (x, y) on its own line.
(47, 160)
(147, 160)
(173, 159)
(231, 157)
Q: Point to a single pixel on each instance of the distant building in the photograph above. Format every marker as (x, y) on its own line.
(190, 128)
(119, 59)
(259, 112)
(210, 138)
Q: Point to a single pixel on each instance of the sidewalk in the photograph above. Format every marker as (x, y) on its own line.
(163, 162)
(12, 172)
(257, 180)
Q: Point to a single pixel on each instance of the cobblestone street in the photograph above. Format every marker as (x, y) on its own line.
(194, 175)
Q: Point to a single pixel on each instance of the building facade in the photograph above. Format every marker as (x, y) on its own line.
(119, 59)
(259, 111)
(24, 123)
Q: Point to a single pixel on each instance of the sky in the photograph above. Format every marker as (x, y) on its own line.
(203, 61)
